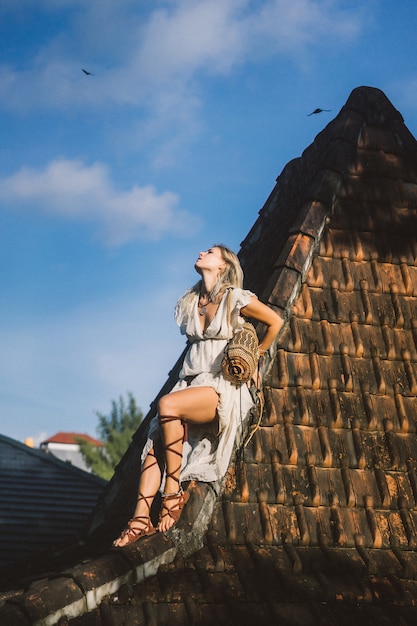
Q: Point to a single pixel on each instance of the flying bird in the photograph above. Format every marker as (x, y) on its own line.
(317, 111)
(87, 72)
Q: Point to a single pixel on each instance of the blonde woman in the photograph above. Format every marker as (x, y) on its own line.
(193, 434)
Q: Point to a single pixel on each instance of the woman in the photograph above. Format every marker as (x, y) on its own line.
(202, 398)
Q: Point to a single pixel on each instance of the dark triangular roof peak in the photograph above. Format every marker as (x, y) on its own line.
(361, 167)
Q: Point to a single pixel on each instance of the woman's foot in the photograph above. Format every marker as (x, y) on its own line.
(172, 506)
(140, 525)
(137, 527)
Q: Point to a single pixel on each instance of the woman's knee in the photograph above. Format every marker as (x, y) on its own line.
(167, 405)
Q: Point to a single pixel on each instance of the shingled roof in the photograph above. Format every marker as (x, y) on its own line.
(316, 520)
(43, 501)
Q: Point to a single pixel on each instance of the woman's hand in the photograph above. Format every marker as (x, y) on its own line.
(256, 379)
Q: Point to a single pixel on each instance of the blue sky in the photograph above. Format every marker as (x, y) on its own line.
(111, 183)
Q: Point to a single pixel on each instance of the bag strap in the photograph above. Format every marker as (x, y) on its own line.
(259, 407)
(229, 306)
(259, 404)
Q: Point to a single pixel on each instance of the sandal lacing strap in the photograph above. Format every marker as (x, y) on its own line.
(174, 512)
(141, 525)
(179, 496)
(168, 447)
(133, 532)
(137, 527)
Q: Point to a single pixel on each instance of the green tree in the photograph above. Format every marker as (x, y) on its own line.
(115, 431)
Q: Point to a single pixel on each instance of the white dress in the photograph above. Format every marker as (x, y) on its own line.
(207, 452)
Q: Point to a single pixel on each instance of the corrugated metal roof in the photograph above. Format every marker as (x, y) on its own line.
(42, 500)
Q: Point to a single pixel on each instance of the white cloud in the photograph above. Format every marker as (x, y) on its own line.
(74, 190)
(150, 59)
(217, 35)
(291, 25)
(192, 36)
(138, 55)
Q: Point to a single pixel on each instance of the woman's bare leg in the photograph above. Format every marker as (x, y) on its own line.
(194, 404)
(149, 482)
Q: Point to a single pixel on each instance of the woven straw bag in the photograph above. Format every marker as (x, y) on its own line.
(241, 354)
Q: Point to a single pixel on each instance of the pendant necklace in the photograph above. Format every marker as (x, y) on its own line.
(203, 308)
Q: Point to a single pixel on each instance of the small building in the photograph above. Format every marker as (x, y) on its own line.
(66, 446)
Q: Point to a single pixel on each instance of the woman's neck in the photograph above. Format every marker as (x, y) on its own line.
(208, 283)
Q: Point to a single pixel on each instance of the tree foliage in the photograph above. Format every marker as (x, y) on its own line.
(115, 431)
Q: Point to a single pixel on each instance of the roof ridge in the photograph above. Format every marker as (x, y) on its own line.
(49, 458)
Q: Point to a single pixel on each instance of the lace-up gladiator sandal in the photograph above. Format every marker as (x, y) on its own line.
(173, 503)
(141, 525)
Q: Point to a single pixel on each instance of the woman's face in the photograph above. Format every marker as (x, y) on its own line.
(211, 259)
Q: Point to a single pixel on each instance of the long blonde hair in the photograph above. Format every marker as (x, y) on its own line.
(232, 276)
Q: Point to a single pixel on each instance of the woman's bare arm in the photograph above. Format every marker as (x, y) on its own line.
(256, 310)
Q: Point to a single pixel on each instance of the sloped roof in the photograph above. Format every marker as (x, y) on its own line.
(316, 522)
(71, 438)
(42, 501)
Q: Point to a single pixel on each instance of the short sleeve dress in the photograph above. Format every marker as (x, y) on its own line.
(207, 452)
